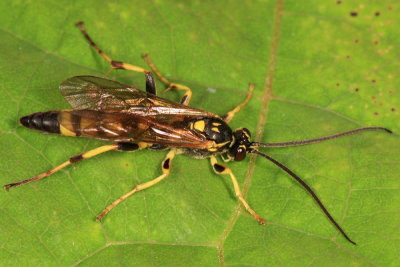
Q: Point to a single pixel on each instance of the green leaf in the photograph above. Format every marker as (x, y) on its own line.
(318, 69)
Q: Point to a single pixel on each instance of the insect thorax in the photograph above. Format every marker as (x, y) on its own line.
(218, 135)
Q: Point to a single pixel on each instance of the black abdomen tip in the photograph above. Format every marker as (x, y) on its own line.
(42, 121)
(25, 121)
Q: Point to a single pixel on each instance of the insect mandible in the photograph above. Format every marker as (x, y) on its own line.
(133, 119)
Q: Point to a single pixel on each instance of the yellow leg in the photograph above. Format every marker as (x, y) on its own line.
(73, 159)
(150, 83)
(188, 93)
(166, 167)
(228, 117)
(114, 64)
(220, 169)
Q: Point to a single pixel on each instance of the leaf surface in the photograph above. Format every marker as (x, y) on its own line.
(318, 69)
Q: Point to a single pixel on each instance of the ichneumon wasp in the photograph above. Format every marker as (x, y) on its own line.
(133, 119)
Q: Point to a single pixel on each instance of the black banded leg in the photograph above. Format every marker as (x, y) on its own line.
(188, 93)
(166, 167)
(150, 83)
(124, 146)
(74, 159)
(221, 169)
(228, 116)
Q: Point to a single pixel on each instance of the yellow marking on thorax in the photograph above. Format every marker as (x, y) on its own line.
(215, 129)
(222, 144)
(214, 146)
(233, 141)
(216, 124)
(199, 125)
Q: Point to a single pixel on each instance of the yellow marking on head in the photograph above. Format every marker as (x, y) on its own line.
(66, 132)
(191, 126)
(215, 129)
(216, 124)
(245, 132)
(200, 125)
(213, 149)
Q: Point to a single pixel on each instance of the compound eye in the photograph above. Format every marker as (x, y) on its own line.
(240, 154)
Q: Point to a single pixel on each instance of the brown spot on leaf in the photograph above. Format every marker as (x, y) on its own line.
(347, 56)
(391, 91)
(373, 81)
(376, 42)
(338, 2)
(393, 109)
(357, 89)
(377, 13)
(356, 41)
(337, 84)
(373, 97)
(376, 113)
(353, 14)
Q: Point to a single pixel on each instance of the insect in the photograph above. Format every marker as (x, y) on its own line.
(133, 119)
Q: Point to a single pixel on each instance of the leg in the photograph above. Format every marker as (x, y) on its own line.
(150, 84)
(166, 167)
(228, 116)
(188, 94)
(220, 169)
(74, 159)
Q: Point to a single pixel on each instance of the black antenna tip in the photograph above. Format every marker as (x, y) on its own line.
(351, 241)
(387, 130)
(7, 187)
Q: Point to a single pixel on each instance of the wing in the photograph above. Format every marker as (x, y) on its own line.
(109, 110)
(130, 127)
(89, 92)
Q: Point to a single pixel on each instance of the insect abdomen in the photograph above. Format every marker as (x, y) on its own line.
(42, 121)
